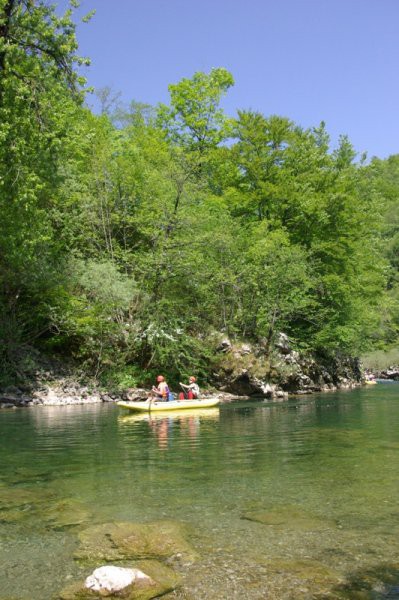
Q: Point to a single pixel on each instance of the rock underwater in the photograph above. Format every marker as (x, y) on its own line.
(127, 540)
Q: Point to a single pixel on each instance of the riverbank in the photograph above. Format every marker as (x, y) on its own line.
(242, 371)
(72, 393)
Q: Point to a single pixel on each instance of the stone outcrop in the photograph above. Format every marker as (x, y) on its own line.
(244, 370)
(391, 373)
(64, 392)
(253, 371)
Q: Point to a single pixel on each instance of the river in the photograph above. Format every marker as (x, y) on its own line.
(291, 500)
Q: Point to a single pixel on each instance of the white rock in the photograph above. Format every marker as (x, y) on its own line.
(267, 389)
(114, 579)
(246, 349)
(51, 396)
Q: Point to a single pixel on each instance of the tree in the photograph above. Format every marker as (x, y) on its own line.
(381, 178)
(194, 120)
(259, 155)
(40, 95)
(278, 284)
(289, 180)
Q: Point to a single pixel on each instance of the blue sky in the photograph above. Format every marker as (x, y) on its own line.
(309, 60)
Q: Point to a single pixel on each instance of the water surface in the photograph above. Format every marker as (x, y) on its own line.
(292, 500)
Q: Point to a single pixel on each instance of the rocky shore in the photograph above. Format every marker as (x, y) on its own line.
(243, 372)
(67, 394)
(55, 393)
(251, 371)
(392, 373)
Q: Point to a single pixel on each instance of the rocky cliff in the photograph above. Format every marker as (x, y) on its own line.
(249, 370)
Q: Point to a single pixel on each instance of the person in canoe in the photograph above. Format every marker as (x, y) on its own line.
(161, 391)
(191, 391)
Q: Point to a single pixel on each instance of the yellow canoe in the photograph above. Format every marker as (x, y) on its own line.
(370, 382)
(157, 406)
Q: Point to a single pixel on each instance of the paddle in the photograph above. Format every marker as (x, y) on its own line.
(183, 387)
(151, 399)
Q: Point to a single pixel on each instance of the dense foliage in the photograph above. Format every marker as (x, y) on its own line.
(132, 240)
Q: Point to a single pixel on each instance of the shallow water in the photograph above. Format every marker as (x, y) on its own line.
(291, 500)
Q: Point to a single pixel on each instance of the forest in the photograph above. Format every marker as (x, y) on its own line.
(131, 240)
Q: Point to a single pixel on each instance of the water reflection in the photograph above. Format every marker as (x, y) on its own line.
(44, 417)
(183, 424)
(162, 429)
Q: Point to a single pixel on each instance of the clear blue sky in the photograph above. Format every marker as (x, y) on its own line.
(309, 60)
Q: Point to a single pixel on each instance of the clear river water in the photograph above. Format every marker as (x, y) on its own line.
(298, 499)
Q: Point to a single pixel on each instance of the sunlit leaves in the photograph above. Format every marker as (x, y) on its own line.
(194, 118)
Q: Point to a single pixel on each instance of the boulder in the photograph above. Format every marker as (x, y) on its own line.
(283, 343)
(224, 346)
(226, 398)
(135, 394)
(245, 349)
(12, 389)
(110, 579)
(61, 395)
(242, 385)
(148, 579)
(390, 373)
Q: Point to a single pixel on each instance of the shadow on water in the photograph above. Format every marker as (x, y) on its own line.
(379, 582)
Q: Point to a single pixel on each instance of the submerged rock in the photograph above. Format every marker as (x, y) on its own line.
(15, 497)
(120, 541)
(18, 503)
(312, 572)
(12, 515)
(66, 513)
(290, 517)
(369, 583)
